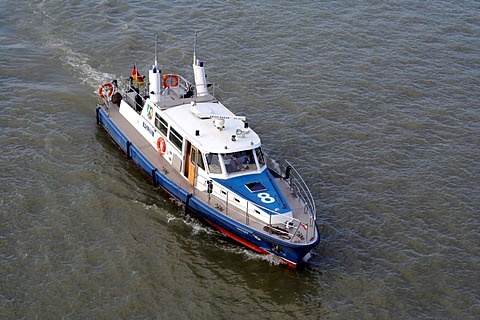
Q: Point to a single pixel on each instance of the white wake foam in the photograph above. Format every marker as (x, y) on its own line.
(78, 63)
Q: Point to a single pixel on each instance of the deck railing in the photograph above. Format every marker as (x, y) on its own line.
(303, 232)
(300, 188)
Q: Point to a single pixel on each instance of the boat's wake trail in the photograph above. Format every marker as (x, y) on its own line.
(77, 63)
(54, 37)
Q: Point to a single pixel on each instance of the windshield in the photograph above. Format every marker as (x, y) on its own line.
(213, 163)
(239, 161)
(261, 159)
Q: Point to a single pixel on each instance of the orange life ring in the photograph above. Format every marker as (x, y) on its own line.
(105, 90)
(161, 145)
(166, 80)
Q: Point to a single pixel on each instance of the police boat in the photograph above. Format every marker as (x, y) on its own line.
(209, 159)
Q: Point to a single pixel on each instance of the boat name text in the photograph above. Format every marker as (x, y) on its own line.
(150, 130)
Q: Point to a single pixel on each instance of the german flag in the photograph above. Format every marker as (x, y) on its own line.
(136, 76)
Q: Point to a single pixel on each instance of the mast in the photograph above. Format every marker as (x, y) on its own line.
(156, 42)
(154, 77)
(199, 72)
(195, 47)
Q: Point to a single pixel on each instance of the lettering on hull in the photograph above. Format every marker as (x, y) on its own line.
(150, 130)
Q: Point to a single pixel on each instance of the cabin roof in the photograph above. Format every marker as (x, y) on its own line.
(210, 138)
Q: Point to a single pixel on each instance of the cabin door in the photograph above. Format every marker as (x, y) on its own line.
(190, 164)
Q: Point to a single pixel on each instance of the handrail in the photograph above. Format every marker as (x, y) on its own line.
(184, 83)
(136, 105)
(296, 181)
(124, 86)
(300, 188)
(210, 88)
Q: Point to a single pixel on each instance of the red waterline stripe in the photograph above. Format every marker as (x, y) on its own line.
(242, 241)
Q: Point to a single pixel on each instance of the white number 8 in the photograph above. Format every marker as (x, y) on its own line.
(265, 197)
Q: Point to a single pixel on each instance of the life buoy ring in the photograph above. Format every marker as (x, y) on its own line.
(161, 145)
(105, 90)
(167, 83)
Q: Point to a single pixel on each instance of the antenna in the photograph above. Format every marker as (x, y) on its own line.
(156, 41)
(195, 48)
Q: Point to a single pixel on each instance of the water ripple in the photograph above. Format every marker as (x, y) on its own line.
(375, 102)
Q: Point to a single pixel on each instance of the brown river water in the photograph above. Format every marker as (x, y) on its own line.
(376, 103)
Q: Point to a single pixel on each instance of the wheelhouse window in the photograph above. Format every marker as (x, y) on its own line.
(176, 138)
(239, 161)
(199, 159)
(161, 124)
(213, 163)
(260, 157)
